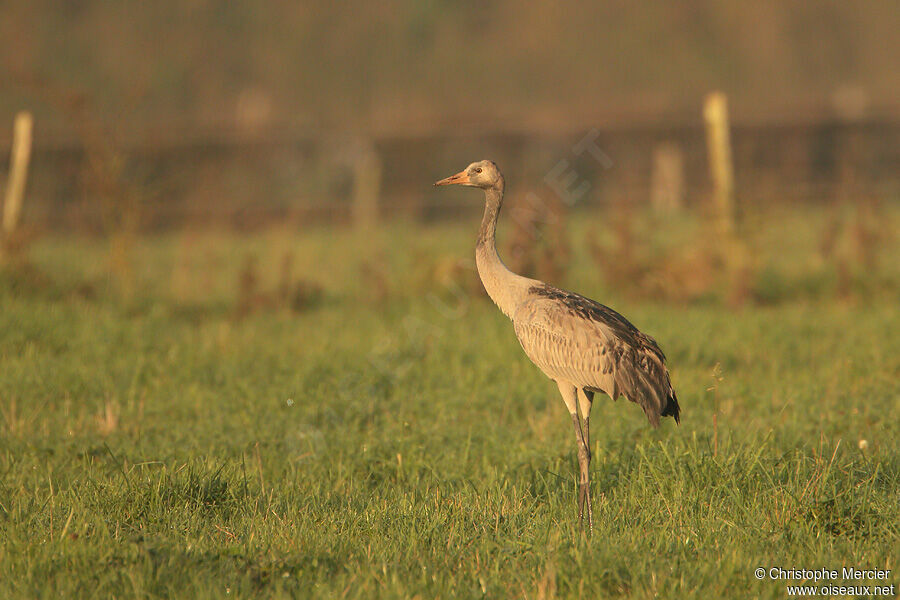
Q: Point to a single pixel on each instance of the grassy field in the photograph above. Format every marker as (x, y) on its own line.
(173, 425)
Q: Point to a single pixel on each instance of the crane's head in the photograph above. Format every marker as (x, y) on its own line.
(483, 174)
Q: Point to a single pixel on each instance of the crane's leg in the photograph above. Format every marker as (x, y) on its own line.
(585, 401)
(584, 485)
(570, 397)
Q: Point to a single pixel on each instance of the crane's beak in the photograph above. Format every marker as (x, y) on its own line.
(459, 179)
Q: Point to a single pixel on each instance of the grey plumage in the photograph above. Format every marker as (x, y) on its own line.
(572, 338)
(584, 346)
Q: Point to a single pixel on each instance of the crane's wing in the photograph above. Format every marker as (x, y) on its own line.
(572, 338)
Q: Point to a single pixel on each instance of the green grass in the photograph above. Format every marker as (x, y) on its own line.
(157, 446)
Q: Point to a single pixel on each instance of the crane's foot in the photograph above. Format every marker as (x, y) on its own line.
(584, 501)
(590, 509)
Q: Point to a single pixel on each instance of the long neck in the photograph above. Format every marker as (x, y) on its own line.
(493, 199)
(504, 287)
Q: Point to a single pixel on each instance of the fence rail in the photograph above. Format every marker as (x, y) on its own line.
(251, 181)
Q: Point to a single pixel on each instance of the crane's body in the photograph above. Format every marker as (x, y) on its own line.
(582, 345)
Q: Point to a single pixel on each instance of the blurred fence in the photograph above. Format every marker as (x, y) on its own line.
(246, 181)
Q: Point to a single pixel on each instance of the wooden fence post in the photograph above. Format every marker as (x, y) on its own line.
(18, 172)
(718, 142)
(366, 188)
(667, 180)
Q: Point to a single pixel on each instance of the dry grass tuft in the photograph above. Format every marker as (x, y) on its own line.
(709, 266)
(546, 585)
(374, 279)
(290, 293)
(851, 241)
(107, 421)
(13, 422)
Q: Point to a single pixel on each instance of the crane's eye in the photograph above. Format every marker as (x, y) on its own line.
(477, 169)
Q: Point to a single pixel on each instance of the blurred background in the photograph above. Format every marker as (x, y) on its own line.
(243, 344)
(198, 116)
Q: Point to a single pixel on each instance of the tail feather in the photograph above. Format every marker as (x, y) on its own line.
(672, 409)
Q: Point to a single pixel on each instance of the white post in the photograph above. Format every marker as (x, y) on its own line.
(18, 171)
(718, 142)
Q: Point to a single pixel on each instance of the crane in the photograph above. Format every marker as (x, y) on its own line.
(582, 345)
